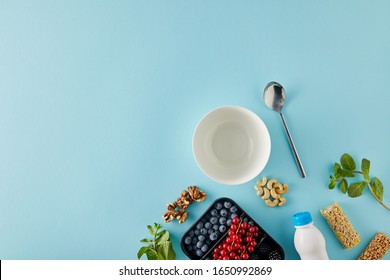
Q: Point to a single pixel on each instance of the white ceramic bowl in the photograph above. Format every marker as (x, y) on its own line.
(231, 145)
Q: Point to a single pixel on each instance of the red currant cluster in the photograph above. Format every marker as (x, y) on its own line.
(240, 241)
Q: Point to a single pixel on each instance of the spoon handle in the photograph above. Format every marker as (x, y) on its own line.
(297, 159)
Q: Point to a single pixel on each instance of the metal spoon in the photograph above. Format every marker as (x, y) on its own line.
(274, 97)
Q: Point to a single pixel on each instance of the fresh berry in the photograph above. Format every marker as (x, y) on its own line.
(204, 248)
(223, 212)
(222, 228)
(187, 240)
(222, 220)
(227, 204)
(218, 206)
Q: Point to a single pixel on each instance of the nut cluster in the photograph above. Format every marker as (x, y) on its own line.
(177, 209)
(271, 192)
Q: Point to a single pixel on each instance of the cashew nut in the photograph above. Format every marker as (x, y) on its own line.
(282, 201)
(266, 194)
(271, 203)
(285, 188)
(278, 188)
(262, 182)
(271, 182)
(260, 191)
(274, 194)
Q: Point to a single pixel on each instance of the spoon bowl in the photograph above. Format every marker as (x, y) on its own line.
(274, 96)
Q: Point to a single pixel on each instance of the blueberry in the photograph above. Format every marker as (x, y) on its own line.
(209, 231)
(204, 248)
(199, 225)
(218, 206)
(222, 220)
(233, 215)
(203, 231)
(223, 212)
(196, 232)
(199, 244)
(229, 222)
(213, 236)
(199, 253)
(208, 225)
(222, 228)
(202, 237)
(246, 219)
(215, 227)
(233, 209)
(191, 233)
(188, 240)
(227, 204)
(214, 220)
(214, 212)
(194, 240)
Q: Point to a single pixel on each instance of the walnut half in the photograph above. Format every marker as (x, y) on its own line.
(196, 194)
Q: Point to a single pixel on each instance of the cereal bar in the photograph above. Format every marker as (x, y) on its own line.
(341, 226)
(377, 248)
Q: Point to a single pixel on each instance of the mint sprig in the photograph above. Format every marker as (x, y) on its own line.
(159, 247)
(347, 169)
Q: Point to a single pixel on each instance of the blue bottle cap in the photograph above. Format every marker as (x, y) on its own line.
(302, 218)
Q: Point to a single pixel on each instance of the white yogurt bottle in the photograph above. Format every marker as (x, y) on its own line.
(308, 239)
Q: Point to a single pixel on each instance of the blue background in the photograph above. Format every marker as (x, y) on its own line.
(99, 101)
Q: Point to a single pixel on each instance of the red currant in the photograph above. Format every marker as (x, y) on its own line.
(248, 239)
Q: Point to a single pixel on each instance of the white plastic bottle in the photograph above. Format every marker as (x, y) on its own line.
(308, 239)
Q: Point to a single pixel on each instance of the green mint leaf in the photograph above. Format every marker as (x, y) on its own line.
(165, 251)
(377, 188)
(344, 186)
(142, 251)
(347, 162)
(151, 230)
(356, 189)
(346, 173)
(145, 240)
(163, 237)
(366, 169)
(336, 170)
(151, 254)
(332, 183)
(157, 227)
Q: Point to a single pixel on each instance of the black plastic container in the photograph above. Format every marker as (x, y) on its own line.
(199, 241)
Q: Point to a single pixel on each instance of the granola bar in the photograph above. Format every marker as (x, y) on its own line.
(341, 226)
(377, 248)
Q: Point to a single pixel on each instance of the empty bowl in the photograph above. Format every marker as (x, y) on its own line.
(231, 145)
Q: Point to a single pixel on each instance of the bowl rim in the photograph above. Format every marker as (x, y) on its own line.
(243, 179)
